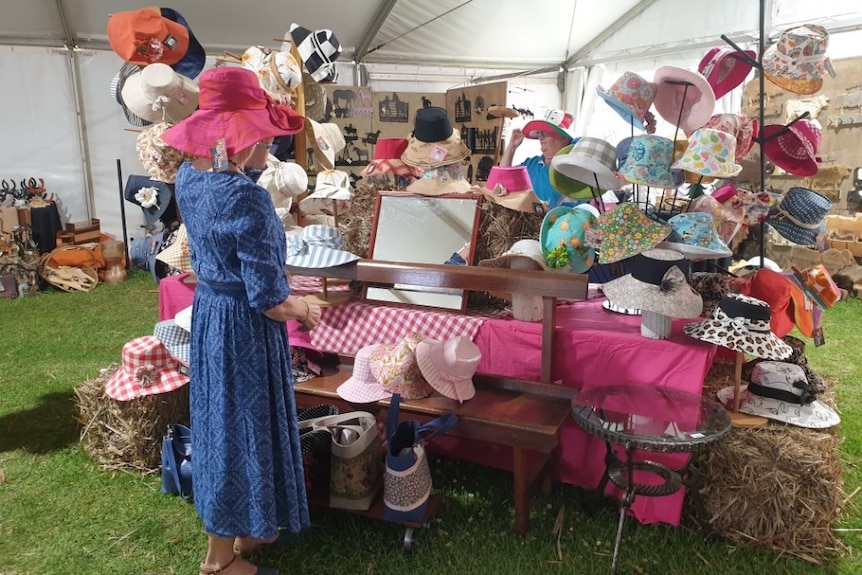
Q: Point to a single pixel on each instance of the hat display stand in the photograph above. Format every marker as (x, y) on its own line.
(655, 325)
(759, 139)
(738, 419)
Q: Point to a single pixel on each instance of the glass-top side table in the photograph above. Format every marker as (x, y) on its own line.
(648, 418)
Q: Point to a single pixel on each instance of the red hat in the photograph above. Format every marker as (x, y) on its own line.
(725, 68)
(145, 37)
(148, 369)
(232, 106)
(785, 297)
(795, 149)
(387, 158)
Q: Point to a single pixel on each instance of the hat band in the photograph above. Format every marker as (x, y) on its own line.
(652, 271)
(788, 59)
(805, 397)
(785, 214)
(736, 308)
(318, 49)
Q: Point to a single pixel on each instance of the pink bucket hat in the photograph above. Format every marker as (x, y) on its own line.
(449, 366)
(710, 153)
(630, 97)
(511, 188)
(740, 126)
(558, 121)
(798, 61)
(148, 368)
(234, 107)
(725, 68)
(795, 149)
(361, 386)
(394, 367)
(684, 97)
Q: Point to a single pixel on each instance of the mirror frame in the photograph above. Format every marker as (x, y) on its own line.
(477, 212)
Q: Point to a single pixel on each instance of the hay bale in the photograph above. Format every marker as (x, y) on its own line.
(779, 487)
(355, 224)
(499, 228)
(127, 434)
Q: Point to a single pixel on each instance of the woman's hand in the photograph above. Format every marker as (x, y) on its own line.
(312, 317)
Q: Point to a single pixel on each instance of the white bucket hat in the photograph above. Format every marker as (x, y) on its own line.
(158, 94)
(331, 194)
(327, 141)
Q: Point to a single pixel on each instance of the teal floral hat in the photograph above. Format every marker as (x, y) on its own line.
(648, 162)
(694, 235)
(626, 231)
(563, 238)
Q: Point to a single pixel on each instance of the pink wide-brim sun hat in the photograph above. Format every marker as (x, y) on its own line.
(232, 106)
(699, 103)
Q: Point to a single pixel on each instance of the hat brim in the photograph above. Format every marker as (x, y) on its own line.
(608, 305)
(317, 257)
(534, 126)
(123, 386)
(628, 292)
(356, 391)
(523, 201)
(793, 232)
(587, 170)
(240, 129)
(698, 111)
(649, 176)
(695, 252)
(759, 344)
(624, 111)
(192, 64)
(733, 77)
(505, 260)
(429, 354)
(815, 415)
(793, 165)
(424, 155)
(433, 187)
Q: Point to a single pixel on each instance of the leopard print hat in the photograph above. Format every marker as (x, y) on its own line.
(741, 323)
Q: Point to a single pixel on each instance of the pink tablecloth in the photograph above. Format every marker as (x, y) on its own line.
(593, 347)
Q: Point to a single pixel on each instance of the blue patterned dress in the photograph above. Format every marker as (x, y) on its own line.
(247, 472)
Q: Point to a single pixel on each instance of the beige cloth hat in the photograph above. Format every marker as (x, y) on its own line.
(177, 255)
(157, 94)
(327, 141)
(284, 181)
(331, 192)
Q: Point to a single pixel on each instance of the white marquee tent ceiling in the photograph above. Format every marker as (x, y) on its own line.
(497, 34)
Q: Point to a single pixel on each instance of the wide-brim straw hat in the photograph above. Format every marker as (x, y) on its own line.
(234, 108)
(741, 323)
(315, 98)
(591, 161)
(627, 231)
(656, 284)
(157, 93)
(691, 111)
(449, 366)
(160, 160)
(440, 181)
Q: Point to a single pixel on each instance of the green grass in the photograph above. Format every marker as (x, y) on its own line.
(60, 514)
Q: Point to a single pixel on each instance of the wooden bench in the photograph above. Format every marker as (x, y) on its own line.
(521, 414)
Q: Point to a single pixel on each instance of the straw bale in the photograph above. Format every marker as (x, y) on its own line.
(778, 487)
(127, 434)
(355, 223)
(499, 228)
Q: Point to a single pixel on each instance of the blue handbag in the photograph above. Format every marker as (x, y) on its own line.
(177, 461)
(407, 481)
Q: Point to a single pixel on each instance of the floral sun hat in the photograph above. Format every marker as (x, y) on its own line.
(631, 97)
(159, 159)
(694, 235)
(710, 153)
(798, 61)
(648, 162)
(740, 126)
(394, 366)
(627, 231)
(563, 238)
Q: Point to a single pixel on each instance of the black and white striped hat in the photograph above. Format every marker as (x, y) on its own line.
(318, 50)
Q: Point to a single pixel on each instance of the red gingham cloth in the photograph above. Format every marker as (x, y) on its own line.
(350, 327)
(148, 368)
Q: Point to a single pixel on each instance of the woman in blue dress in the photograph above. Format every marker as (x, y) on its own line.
(247, 473)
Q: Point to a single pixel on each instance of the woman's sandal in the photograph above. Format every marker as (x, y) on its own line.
(246, 546)
(204, 570)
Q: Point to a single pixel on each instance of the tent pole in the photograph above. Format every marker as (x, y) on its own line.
(75, 79)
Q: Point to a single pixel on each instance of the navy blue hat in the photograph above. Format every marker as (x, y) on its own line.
(193, 62)
(162, 197)
(798, 217)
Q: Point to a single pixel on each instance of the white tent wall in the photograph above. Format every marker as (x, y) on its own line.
(408, 45)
